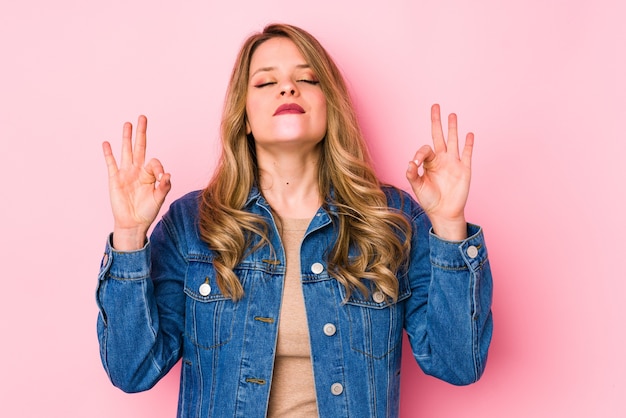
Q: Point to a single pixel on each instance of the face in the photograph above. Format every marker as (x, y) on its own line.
(284, 103)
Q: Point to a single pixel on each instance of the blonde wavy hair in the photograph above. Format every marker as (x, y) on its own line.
(364, 221)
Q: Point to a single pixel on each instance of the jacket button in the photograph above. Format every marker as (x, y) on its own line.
(317, 268)
(205, 289)
(330, 329)
(378, 296)
(472, 251)
(336, 389)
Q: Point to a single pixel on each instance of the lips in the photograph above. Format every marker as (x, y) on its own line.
(288, 108)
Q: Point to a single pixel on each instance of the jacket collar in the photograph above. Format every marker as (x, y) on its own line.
(255, 196)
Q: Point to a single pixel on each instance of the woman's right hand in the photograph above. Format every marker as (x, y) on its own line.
(137, 190)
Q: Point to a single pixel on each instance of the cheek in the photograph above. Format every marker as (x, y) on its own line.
(323, 114)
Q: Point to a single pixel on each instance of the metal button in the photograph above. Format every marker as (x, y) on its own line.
(317, 268)
(205, 289)
(330, 329)
(336, 389)
(472, 251)
(378, 296)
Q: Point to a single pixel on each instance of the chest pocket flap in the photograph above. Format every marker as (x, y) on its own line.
(209, 314)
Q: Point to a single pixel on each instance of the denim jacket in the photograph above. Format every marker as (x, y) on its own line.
(162, 303)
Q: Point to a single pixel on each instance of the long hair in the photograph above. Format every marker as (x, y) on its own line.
(372, 241)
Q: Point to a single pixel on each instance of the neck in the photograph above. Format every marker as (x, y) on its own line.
(289, 183)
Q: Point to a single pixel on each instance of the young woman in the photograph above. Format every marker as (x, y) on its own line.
(285, 285)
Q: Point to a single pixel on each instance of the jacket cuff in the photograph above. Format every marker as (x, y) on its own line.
(125, 265)
(470, 253)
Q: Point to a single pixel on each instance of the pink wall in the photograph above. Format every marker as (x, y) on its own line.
(540, 82)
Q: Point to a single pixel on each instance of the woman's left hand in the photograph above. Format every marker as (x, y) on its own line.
(443, 187)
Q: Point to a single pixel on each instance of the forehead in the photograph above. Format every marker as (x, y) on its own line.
(276, 52)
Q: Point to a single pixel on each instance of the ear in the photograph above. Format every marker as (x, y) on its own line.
(248, 128)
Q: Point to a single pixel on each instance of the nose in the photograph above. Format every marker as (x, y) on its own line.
(288, 87)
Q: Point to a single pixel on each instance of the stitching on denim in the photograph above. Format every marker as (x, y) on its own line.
(129, 279)
(146, 309)
(450, 268)
(104, 351)
(459, 268)
(205, 347)
(394, 348)
(365, 303)
(365, 311)
(186, 364)
(475, 314)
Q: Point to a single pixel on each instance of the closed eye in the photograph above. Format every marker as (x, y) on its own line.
(269, 83)
(313, 82)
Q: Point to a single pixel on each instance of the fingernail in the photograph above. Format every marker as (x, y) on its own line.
(159, 177)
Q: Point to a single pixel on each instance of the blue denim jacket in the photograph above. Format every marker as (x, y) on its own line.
(162, 303)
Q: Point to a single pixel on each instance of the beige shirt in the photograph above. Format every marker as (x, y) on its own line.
(293, 387)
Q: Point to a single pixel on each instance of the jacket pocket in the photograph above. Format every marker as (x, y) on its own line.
(376, 323)
(209, 314)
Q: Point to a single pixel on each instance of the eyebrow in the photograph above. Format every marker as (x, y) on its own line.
(262, 69)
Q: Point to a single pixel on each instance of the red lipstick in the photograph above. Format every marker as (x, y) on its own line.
(288, 108)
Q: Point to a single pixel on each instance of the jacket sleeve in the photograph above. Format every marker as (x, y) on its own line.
(141, 311)
(448, 317)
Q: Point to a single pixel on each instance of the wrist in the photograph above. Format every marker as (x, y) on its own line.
(129, 239)
(450, 229)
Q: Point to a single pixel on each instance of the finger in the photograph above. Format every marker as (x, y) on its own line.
(466, 156)
(453, 134)
(127, 145)
(436, 129)
(423, 155)
(109, 159)
(139, 150)
(412, 175)
(162, 188)
(151, 172)
(156, 175)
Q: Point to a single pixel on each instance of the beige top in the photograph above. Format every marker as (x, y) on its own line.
(293, 387)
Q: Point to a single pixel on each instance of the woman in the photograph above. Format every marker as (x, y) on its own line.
(285, 285)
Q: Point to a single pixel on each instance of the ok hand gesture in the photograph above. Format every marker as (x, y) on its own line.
(443, 187)
(137, 191)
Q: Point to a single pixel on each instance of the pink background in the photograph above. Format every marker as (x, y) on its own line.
(540, 82)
